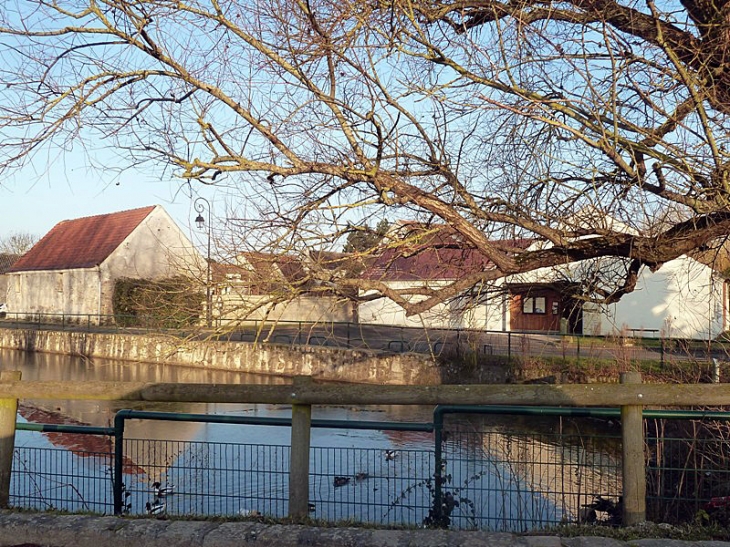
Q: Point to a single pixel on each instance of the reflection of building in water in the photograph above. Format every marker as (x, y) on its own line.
(81, 445)
(147, 454)
(565, 469)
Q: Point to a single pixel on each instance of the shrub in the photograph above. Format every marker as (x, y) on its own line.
(162, 303)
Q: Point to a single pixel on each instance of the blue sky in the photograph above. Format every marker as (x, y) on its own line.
(40, 195)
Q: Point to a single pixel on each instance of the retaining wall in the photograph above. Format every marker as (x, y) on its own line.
(359, 366)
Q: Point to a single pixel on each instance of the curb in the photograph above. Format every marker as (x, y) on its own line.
(93, 531)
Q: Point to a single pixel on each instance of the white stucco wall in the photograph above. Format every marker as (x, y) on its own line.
(683, 299)
(3, 288)
(456, 314)
(156, 249)
(67, 293)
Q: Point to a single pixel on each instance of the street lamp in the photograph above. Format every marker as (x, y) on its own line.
(201, 204)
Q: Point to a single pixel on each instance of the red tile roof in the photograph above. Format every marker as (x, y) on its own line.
(81, 243)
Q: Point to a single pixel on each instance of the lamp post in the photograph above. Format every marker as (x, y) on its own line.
(201, 204)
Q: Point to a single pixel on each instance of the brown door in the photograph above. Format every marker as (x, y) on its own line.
(536, 311)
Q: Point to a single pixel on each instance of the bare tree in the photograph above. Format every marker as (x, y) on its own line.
(17, 243)
(500, 119)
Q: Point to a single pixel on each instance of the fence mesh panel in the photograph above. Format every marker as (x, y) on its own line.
(204, 478)
(688, 476)
(371, 485)
(506, 479)
(56, 478)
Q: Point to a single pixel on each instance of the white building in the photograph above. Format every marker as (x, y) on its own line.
(72, 270)
(683, 299)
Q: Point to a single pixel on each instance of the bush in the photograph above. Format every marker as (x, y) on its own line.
(162, 303)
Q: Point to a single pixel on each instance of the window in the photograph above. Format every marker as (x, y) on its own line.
(536, 305)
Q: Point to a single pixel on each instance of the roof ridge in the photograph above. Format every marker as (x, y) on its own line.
(107, 214)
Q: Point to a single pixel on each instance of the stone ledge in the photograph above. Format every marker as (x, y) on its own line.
(47, 530)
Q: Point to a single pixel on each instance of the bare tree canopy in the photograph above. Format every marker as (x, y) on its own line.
(17, 243)
(501, 119)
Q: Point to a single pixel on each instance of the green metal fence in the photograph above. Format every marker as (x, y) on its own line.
(76, 476)
(491, 468)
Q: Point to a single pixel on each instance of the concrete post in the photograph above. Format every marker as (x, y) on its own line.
(301, 421)
(8, 413)
(634, 470)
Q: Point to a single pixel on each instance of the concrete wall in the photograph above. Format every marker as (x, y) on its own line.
(230, 308)
(357, 366)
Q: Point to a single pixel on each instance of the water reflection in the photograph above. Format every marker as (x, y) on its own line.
(548, 467)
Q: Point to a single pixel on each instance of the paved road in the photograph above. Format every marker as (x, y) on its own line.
(40, 529)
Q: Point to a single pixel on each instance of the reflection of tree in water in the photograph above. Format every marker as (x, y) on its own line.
(533, 469)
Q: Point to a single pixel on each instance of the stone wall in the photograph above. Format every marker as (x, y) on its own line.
(359, 366)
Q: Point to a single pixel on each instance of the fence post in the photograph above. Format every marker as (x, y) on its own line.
(634, 471)
(661, 353)
(438, 435)
(301, 421)
(118, 484)
(8, 415)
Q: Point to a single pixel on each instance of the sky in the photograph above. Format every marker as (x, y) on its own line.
(37, 197)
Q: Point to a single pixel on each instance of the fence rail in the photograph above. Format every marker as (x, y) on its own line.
(305, 391)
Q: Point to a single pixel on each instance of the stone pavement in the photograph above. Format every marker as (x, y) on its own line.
(42, 529)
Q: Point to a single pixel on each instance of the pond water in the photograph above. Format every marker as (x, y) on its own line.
(504, 473)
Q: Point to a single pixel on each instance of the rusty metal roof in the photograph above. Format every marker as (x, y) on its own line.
(81, 243)
(431, 262)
